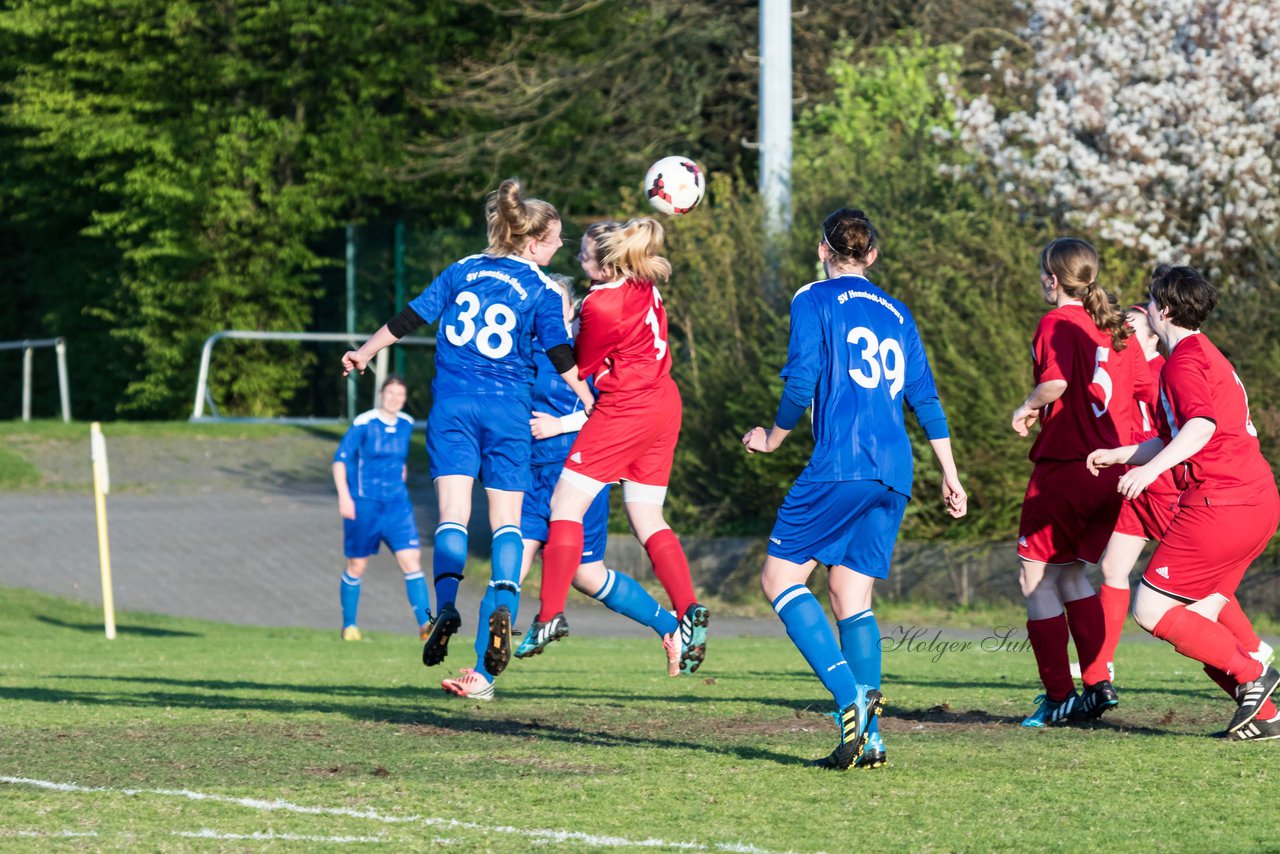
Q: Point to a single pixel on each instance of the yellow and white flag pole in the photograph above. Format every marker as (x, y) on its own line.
(102, 486)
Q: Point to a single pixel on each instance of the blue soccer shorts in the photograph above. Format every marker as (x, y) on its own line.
(481, 435)
(536, 513)
(377, 522)
(850, 523)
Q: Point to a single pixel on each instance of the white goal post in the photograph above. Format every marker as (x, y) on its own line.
(205, 396)
(28, 347)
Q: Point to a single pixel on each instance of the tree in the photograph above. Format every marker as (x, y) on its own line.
(1151, 123)
(208, 146)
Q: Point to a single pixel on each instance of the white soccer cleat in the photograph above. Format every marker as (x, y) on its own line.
(672, 647)
(470, 685)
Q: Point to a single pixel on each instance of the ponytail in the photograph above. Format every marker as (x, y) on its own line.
(514, 220)
(1075, 265)
(633, 250)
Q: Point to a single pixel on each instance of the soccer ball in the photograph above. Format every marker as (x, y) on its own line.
(675, 185)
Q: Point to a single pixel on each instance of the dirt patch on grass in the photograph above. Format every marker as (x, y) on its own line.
(943, 717)
(540, 764)
(347, 771)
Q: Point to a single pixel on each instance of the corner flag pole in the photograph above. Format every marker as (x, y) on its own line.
(102, 486)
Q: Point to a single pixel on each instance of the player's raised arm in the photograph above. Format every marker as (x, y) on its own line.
(425, 308)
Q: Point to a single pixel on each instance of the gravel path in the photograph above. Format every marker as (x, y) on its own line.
(243, 531)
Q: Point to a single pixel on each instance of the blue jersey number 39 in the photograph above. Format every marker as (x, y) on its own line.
(882, 360)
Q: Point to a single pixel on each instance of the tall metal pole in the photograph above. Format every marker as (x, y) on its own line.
(351, 314)
(775, 114)
(399, 306)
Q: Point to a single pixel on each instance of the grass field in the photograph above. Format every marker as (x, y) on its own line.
(186, 735)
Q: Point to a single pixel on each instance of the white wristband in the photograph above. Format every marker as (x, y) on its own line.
(573, 422)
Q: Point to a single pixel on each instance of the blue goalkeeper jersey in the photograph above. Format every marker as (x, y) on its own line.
(490, 310)
(856, 354)
(375, 453)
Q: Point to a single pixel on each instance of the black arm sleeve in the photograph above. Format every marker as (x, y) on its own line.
(404, 322)
(561, 357)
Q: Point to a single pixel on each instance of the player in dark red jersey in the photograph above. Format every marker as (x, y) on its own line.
(1087, 383)
(1228, 510)
(630, 436)
(1140, 520)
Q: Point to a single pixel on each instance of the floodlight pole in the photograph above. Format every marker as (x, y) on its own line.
(775, 115)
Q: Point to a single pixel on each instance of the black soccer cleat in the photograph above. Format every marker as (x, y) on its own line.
(873, 755)
(853, 720)
(1256, 730)
(1251, 696)
(497, 653)
(445, 626)
(1096, 699)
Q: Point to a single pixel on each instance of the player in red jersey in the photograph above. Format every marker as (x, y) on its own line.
(1142, 519)
(1087, 383)
(1228, 510)
(630, 436)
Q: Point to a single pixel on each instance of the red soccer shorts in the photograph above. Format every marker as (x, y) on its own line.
(1207, 549)
(1068, 514)
(630, 436)
(1149, 516)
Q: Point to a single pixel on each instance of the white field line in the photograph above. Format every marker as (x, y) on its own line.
(533, 834)
(206, 833)
(46, 834)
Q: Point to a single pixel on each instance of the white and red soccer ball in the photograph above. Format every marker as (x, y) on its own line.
(675, 185)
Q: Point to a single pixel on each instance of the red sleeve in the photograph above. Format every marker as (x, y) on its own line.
(597, 332)
(1145, 389)
(1051, 350)
(1190, 391)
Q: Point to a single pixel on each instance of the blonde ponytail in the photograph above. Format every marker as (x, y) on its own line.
(633, 250)
(1074, 263)
(514, 220)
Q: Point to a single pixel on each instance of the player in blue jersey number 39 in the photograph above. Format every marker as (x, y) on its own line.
(855, 355)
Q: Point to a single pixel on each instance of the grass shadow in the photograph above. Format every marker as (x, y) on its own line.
(96, 628)
(430, 722)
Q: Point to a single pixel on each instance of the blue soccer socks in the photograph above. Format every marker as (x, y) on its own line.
(448, 560)
(487, 604)
(415, 587)
(349, 595)
(624, 595)
(860, 643)
(507, 553)
(809, 630)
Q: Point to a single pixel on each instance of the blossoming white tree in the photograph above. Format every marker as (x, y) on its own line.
(1156, 123)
